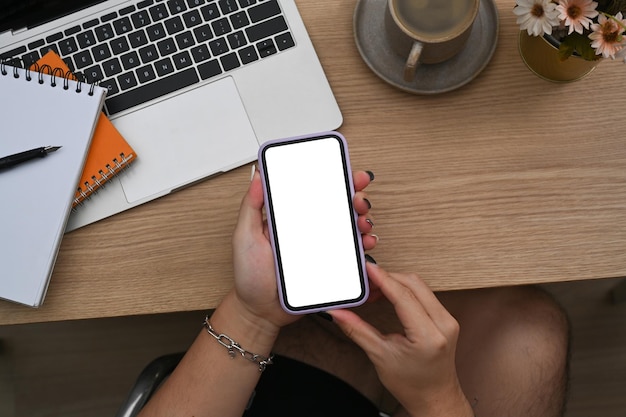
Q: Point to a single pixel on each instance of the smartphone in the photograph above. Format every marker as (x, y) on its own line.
(317, 245)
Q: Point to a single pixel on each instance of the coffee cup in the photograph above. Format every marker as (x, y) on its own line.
(428, 31)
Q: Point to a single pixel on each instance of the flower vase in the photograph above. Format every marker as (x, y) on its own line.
(542, 57)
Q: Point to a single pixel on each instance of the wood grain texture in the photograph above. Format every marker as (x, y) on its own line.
(508, 180)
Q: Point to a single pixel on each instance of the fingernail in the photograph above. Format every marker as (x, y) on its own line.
(375, 237)
(325, 316)
(369, 259)
(371, 174)
(369, 205)
(371, 223)
(252, 172)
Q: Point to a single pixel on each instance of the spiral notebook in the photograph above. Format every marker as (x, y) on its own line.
(109, 153)
(36, 110)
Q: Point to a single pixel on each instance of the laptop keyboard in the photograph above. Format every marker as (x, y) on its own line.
(145, 51)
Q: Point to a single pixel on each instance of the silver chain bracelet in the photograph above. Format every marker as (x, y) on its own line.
(233, 347)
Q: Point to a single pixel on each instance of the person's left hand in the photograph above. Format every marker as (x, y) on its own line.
(255, 278)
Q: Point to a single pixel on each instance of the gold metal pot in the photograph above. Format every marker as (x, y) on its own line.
(542, 58)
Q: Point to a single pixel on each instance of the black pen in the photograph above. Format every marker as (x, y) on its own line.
(18, 158)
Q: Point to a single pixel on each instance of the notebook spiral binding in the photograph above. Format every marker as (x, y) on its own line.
(87, 189)
(14, 65)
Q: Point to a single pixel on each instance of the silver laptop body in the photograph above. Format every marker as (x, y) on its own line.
(253, 78)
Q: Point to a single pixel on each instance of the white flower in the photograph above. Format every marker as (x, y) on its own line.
(607, 36)
(536, 16)
(577, 14)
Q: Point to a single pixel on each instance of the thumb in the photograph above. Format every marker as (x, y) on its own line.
(250, 212)
(359, 331)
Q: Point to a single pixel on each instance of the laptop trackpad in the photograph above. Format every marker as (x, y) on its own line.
(186, 138)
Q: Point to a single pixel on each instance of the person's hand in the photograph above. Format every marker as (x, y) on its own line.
(255, 279)
(418, 366)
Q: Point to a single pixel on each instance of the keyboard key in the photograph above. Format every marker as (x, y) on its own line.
(86, 39)
(228, 6)
(230, 61)
(138, 39)
(14, 52)
(144, 4)
(246, 3)
(30, 58)
(266, 48)
(68, 46)
(185, 40)
(156, 32)
(148, 54)
(83, 59)
(104, 32)
(164, 67)
(237, 40)
(72, 31)
(112, 67)
(200, 53)
(219, 46)
(119, 46)
(123, 26)
(266, 29)
(239, 20)
(111, 87)
(145, 74)
(284, 41)
(93, 74)
(209, 69)
(101, 52)
(125, 81)
(127, 10)
(108, 17)
(210, 12)
(141, 19)
(203, 33)
(176, 6)
(167, 47)
(36, 44)
(194, 3)
(182, 60)
(159, 12)
(91, 23)
(174, 25)
(221, 27)
(48, 48)
(248, 55)
(192, 18)
(264, 11)
(130, 60)
(55, 37)
(151, 91)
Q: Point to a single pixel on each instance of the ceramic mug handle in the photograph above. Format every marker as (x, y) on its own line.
(412, 61)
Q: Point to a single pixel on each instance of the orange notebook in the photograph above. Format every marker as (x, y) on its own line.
(109, 153)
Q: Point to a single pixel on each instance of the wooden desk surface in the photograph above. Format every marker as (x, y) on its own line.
(508, 180)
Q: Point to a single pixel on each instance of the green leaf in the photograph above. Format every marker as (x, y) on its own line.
(578, 43)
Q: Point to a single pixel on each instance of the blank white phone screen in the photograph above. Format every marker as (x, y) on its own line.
(312, 213)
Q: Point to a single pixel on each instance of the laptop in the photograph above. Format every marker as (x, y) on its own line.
(195, 86)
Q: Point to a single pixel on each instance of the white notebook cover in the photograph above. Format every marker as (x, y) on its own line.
(36, 196)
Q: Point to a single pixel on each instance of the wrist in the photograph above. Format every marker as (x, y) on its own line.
(250, 331)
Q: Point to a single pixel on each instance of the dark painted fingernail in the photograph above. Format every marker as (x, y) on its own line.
(371, 174)
(371, 223)
(369, 259)
(369, 205)
(325, 316)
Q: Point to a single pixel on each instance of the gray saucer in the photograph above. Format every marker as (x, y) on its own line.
(371, 40)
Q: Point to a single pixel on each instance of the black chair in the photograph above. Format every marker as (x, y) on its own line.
(148, 382)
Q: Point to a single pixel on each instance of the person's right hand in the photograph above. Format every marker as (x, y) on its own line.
(417, 367)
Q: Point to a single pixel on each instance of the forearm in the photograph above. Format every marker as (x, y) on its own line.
(208, 382)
